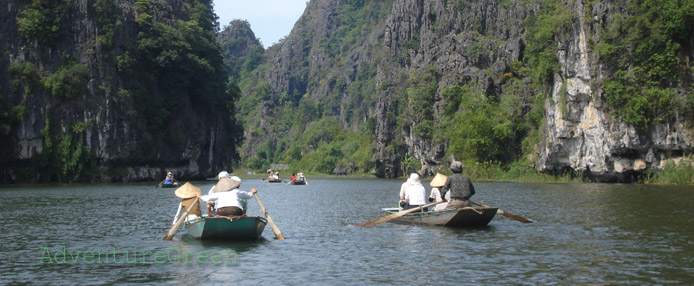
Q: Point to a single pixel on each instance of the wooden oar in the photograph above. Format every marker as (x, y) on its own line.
(174, 228)
(275, 229)
(507, 214)
(395, 215)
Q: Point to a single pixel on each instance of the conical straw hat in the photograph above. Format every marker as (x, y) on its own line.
(226, 184)
(438, 181)
(187, 191)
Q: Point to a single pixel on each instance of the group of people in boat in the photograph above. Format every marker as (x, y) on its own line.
(223, 199)
(454, 190)
(227, 199)
(273, 177)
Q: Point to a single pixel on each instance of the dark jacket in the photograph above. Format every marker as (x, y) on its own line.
(460, 186)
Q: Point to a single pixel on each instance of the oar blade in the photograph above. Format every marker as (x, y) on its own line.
(379, 220)
(390, 217)
(514, 217)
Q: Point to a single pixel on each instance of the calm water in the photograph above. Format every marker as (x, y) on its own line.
(588, 234)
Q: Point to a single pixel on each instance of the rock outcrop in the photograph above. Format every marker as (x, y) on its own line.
(466, 43)
(583, 136)
(104, 131)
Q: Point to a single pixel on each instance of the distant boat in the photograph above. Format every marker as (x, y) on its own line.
(168, 185)
(274, 180)
(226, 228)
(298, 181)
(462, 217)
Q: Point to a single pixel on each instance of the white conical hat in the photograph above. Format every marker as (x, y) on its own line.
(226, 184)
(187, 191)
(438, 181)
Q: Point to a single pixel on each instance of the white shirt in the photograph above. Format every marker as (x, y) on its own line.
(436, 195)
(415, 194)
(227, 199)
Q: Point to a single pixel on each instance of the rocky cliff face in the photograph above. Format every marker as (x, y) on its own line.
(240, 47)
(101, 127)
(583, 135)
(476, 44)
(467, 42)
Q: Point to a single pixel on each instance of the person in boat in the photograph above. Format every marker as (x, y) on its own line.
(169, 180)
(210, 205)
(435, 195)
(404, 186)
(275, 177)
(228, 197)
(300, 178)
(415, 194)
(459, 186)
(293, 178)
(187, 194)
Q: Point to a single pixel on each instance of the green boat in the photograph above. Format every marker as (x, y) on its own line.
(226, 228)
(166, 186)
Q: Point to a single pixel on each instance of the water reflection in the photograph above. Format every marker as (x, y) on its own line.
(583, 234)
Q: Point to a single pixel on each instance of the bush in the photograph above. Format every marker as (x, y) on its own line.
(42, 21)
(69, 81)
(25, 75)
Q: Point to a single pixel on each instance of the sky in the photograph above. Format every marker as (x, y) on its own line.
(270, 20)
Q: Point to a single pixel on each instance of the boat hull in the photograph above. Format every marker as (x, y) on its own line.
(462, 217)
(167, 186)
(223, 228)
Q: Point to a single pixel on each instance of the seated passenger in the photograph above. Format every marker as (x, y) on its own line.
(435, 195)
(187, 193)
(228, 198)
(415, 194)
(210, 205)
(169, 180)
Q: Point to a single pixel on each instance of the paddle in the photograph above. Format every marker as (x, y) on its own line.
(395, 215)
(174, 228)
(507, 214)
(275, 229)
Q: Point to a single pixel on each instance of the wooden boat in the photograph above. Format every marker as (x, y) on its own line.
(274, 181)
(462, 217)
(299, 181)
(226, 228)
(166, 186)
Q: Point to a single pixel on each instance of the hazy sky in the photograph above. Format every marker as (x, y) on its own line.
(270, 20)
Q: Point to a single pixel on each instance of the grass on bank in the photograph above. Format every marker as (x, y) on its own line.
(672, 175)
(520, 171)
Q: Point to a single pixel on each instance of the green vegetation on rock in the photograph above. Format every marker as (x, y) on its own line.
(42, 21)
(643, 46)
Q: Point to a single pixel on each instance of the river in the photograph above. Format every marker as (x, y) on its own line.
(586, 234)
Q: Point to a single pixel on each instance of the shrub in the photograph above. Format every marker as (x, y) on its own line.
(69, 81)
(41, 20)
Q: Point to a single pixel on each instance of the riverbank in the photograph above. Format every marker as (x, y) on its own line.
(518, 172)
